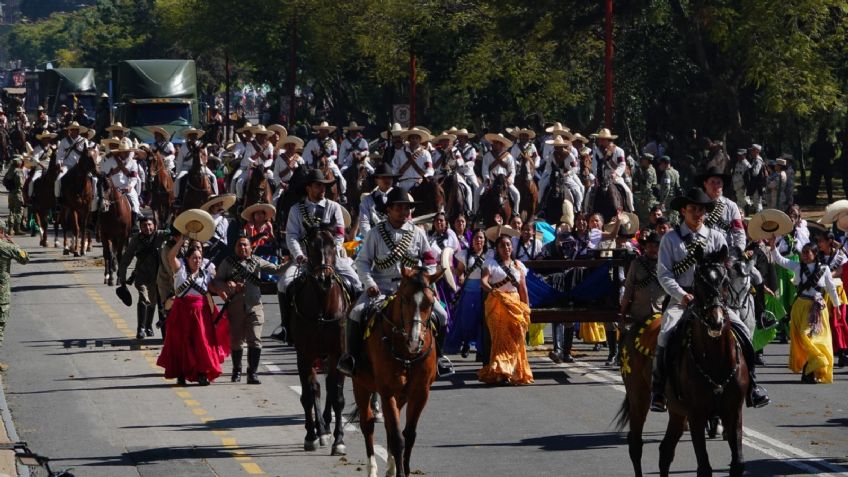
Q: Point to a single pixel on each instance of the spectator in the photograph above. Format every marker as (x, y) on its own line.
(468, 321)
(8, 251)
(823, 153)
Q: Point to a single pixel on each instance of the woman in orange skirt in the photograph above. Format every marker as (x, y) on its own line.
(507, 314)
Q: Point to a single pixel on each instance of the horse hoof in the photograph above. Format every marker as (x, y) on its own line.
(378, 416)
(310, 446)
(56, 244)
(339, 449)
(111, 282)
(324, 440)
(66, 252)
(76, 254)
(105, 280)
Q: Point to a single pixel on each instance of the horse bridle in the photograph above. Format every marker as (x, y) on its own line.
(401, 332)
(714, 290)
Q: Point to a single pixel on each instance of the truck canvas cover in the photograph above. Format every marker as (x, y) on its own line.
(64, 80)
(144, 79)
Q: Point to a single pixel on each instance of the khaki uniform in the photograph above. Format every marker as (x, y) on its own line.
(245, 309)
(16, 199)
(8, 252)
(145, 250)
(644, 182)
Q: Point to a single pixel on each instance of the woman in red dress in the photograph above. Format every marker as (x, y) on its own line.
(195, 346)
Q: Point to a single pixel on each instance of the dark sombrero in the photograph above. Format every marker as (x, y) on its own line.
(695, 195)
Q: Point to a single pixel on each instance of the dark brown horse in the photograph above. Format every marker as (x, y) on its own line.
(556, 193)
(17, 136)
(400, 367)
(454, 196)
(161, 190)
(77, 196)
(358, 182)
(319, 303)
(494, 201)
(431, 195)
(196, 183)
(115, 223)
(291, 196)
(605, 197)
(708, 377)
(527, 188)
(257, 189)
(44, 199)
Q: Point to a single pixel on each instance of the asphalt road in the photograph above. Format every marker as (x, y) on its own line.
(81, 394)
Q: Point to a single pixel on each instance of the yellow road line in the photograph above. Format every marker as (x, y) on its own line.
(252, 469)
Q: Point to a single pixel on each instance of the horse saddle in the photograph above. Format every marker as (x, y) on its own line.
(678, 341)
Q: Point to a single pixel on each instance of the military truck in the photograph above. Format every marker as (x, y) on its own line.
(156, 93)
(70, 86)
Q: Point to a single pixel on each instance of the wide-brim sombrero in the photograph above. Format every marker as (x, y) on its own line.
(629, 224)
(492, 137)
(188, 131)
(296, 141)
(196, 224)
(833, 211)
(769, 223)
(76, 125)
(270, 211)
(423, 134)
(325, 126)
(346, 218)
(446, 260)
(226, 201)
(118, 127)
(495, 231)
(162, 131)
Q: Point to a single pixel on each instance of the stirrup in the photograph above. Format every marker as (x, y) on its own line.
(658, 403)
(444, 367)
(759, 398)
(346, 365)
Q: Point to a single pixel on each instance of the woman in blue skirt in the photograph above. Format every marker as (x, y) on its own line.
(468, 311)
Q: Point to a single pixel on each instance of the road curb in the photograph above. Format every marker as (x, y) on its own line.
(7, 458)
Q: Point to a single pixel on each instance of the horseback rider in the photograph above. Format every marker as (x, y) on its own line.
(372, 208)
(258, 152)
(315, 210)
(40, 158)
(143, 247)
(325, 146)
(413, 163)
(163, 145)
(561, 173)
(286, 163)
(499, 162)
(122, 171)
(184, 161)
(41, 124)
(239, 275)
(354, 148)
(725, 217)
(70, 151)
(524, 149)
(393, 244)
(552, 131)
(677, 259)
(245, 136)
(446, 158)
(609, 159)
(466, 160)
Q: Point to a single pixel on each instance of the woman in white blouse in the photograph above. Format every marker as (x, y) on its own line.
(468, 309)
(195, 346)
(832, 255)
(507, 312)
(811, 347)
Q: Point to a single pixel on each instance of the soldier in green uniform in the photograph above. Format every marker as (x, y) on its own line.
(144, 248)
(668, 184)
(8, 251)
(14, 183)
(644, 183)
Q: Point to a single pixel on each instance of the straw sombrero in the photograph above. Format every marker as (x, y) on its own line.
(46, 134)
(196, 224)
(162, 131)
(579, 137)
(567, 213)
(604, 133)
(346, 217)
(495, 231)
(226, 201)
(557, 128)
(769, 223)
(396, 130)
(76, 125)
(445, 136)
(353, 126)
(110, 144)
(248, 127)
(629, 224)
(833, 211)
(517, 132)
(118, 127)
(298, 143)
(492, 137)
(189, 131)
(416, 131)
(460, 132)
(324, 126)
(279, 129)
(260, 129)
(557, 141)
(270, 211)
(445, 261)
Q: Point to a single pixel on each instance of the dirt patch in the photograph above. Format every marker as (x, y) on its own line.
(85, 262)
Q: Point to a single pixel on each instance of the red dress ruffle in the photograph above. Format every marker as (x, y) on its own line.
(193, 344)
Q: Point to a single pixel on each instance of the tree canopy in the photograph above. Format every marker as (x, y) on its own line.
(726, 67)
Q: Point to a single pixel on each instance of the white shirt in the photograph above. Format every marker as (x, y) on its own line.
(467, 256)
(352, 151)
(490, 172)
(168, 152)
(119, 179)
(422, 159)
(313, 151)
(825, 281)
(496, 274)
(202, 279)
(265, 157)
(527, 148)
(282, 171)
(70, 151)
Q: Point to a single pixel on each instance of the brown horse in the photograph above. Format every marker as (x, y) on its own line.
(454, 197)
(44, 199)
(161, 190)
(292, 195)
(197, 187)
(402, 357)
(318, 305)
(258, 189)
(115, 223)
(431, 195)
(698, 388)
(605, 197)
(527, 188)
(494, 201)
(77, 196)
(358, 182)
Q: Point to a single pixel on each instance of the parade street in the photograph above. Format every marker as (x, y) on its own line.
(83, 392)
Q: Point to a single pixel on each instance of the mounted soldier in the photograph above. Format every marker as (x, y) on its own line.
(609, 159)
(679, 253)
(523, 150)
(324, 146)
(389, 247)
(245, 136)
(40, 158)
(163, 146)
(354, 148)
(258, 152)
(725, 216)
(184, 160)
(286, 163)
(499, 162)
(40, 125)
(70, 151)
(372, 208)
(413, 163)
(559, 176)
(122, 171)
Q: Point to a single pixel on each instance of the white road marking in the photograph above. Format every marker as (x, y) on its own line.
(378, 449)
(606, 377)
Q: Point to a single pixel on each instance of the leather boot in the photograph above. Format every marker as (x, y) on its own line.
(141, 316)
(612, 344)
(150, 310)
(134, 229)
(444, 366)
(352, 346)
(757, 396)
(658, 381)
(236, 355)
(567, 343)
(284, 334)
(253, 355)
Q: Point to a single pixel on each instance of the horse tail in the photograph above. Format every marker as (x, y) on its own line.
(622, 417)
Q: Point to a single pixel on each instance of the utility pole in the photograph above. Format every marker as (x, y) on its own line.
(227, 97)
(608, 66)
(292, 71)
(411, 90)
